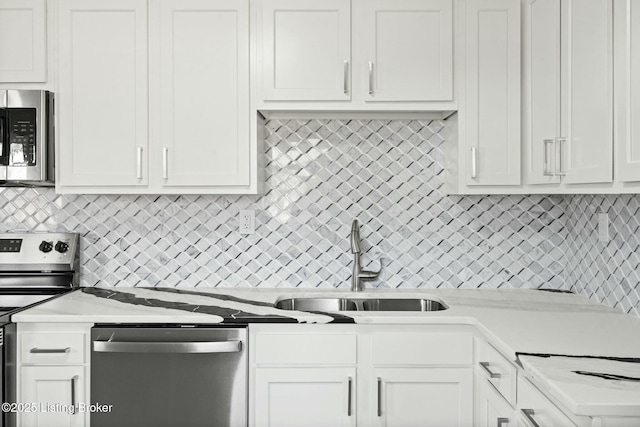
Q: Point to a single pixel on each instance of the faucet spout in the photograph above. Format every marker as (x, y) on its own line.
(355, 237)
(359, 275)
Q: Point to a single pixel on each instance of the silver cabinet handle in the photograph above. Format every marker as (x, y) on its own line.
(50, 350)
(370, 77)
(474, 162)
(346, 77)
(485, 367)
(73, 394)
(139, 163)
(547, 170)
(233, 346)
(379, 396)
(349, 397)
(165, 163)
(528, 415)
(560, 165)
(502, 422)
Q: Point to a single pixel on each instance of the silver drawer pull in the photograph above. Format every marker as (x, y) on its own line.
(379, 396)
(345, 76)
(36, 350)
(74, 404)
(349, 397)
(528, 415)
(485, 367)
(233, 346)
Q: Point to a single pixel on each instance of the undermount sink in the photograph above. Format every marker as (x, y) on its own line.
(360, 304)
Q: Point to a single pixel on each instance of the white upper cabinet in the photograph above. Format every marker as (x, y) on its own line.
(158, 106)
(568, 87)
(588, 81)
(490, 106)
(102, 90)
(204, 92)
(306, 47)
(627, 89)
(355, 55)
(541, 126)
(403, 49)
(23, 53)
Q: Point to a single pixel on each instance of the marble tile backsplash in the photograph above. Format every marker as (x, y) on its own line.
(320, 175)
(607, 271)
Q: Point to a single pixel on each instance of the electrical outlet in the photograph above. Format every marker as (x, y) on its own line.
(247, 220)
(603, 227)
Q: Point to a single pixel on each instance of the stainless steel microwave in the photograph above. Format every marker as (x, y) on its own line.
(26, 138)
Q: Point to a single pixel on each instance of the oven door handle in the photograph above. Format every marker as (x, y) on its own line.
(233, 346)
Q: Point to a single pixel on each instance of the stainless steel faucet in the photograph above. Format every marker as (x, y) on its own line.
(359, 275)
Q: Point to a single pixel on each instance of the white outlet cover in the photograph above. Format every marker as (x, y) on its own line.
(247, 222)
(603, 227)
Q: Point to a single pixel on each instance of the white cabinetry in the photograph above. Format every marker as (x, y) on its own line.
(429, 397)
(305, 397)
(52, 364)
(627, 89)
(403, 50)
(102, 107)
(159, 106)
(568, 77)
(357, 55)
(23, 53)
(204, 94)
(489, 116)
(536, 409)
(56, 391)
(318, 375)
(493, 410)
(306, 47)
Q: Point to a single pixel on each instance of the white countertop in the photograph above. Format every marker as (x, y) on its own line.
(584, 354)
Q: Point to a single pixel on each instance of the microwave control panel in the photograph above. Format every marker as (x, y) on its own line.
(22, 136)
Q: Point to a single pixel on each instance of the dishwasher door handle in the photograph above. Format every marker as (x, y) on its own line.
(233, 346)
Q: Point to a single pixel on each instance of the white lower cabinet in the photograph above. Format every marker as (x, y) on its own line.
(425, 397)
(305, 397)
(332, 375)
(52, 375)
(536, 410)
(493, 410)
(52, 395)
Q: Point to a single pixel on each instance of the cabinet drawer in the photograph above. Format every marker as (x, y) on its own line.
(536, 409)
(52, 348)
(498, 371)
(305, 349)
(422, 349)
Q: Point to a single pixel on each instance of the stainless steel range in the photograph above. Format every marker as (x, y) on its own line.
(33, 267)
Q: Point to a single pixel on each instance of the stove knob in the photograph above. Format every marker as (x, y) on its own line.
(62, 247)
(45, 246)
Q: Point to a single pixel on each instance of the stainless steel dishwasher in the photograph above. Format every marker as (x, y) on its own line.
(167, 377)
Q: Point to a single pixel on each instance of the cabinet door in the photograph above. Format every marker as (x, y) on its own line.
(492, 94)
(54, 390)
(305, 397)
(102, 93)
(306, 50)
(588, 83)
(627, 82)
(536, 409)
(541, 83)
(425, 397)
(22, 41)
(493, 410)
(204, 92)
(404, 49)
